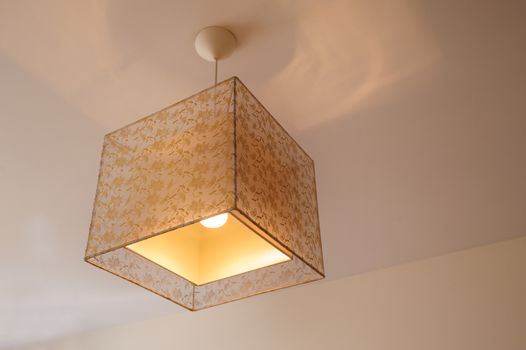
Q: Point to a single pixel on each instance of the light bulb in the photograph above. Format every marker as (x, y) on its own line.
(215, 221)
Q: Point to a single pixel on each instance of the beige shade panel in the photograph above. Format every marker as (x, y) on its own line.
(166, 170)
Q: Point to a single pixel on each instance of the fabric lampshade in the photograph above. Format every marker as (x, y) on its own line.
(216, 152)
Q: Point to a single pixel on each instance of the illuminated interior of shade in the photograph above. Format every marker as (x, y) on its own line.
(202, 255)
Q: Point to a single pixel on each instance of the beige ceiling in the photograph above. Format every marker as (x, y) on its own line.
(414, 112)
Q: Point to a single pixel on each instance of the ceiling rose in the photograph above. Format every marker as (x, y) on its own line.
(208, 200)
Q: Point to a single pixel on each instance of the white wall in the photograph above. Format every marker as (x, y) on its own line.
(473, 299)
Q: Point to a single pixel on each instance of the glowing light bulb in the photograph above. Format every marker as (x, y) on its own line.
(215, 221)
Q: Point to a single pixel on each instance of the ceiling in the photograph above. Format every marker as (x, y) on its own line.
(414, 112)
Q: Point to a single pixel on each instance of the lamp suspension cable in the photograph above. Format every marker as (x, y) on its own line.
(215, 85)
(215, 73)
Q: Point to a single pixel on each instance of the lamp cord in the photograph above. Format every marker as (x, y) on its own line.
(215, 86)
(215, 74)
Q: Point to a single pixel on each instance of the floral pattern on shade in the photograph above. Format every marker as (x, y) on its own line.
(275, 180)
(137, 269)
(216, 151)
(255, 282)
(166, 170)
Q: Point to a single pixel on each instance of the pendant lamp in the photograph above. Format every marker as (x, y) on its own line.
(209, 200)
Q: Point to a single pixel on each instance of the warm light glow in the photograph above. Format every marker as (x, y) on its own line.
(202, 255)
(215, 221)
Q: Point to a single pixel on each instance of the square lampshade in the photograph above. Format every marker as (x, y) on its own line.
(217, 152)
